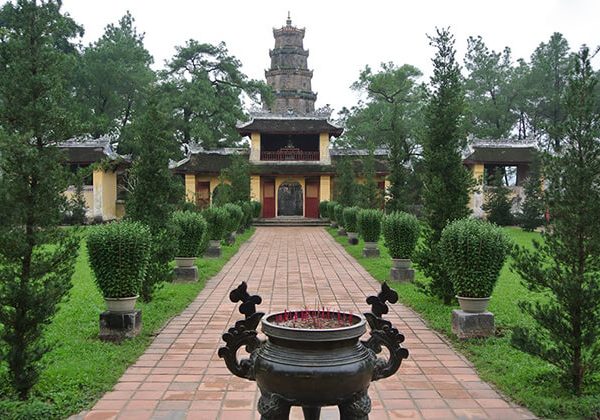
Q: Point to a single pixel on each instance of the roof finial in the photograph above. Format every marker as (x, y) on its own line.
(289, 20)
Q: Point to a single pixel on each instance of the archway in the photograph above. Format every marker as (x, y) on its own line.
(289, 199)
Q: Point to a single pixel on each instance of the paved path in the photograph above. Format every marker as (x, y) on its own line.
(180, 375)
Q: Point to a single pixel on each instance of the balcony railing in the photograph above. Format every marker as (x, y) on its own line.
(289, 153)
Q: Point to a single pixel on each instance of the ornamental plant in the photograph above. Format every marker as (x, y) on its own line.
(236, 215)
(401, 232)
(119, 255)
(351, 219)
(248, 213)
(473, 252)
(256, 208)
(216, 220)
(191, 228)
(331, 210)
(369, 224)
(324, 209)
(338, 210)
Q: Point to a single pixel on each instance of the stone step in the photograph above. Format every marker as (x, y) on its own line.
(290, 221)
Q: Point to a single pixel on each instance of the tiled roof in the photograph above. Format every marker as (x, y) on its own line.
(292, 125)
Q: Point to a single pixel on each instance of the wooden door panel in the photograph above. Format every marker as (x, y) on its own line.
(311, 207)
(268, 191)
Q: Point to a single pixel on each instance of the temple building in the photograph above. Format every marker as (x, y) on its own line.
(291, 159)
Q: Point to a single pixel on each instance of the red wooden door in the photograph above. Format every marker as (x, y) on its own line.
(202, 194)
(268, 195)
(311, 204)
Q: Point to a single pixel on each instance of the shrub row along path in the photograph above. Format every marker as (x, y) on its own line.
(180, 375)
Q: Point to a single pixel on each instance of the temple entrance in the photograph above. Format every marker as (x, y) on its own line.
(289, 199)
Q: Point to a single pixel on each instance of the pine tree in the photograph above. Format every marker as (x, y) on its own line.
(36, 258)
(565, 267)
(155, 192)
(497, 202)
(446, 182)
(370, 196)
(238, 174)
(533, 205)
(345, 183)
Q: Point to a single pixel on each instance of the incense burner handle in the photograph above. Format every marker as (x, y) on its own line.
(384, 334)
(242, 334)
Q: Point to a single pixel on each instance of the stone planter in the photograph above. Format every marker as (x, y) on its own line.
(473, 305)
(231, 238)
(333, 224)
(352, 238)
(401, 270)
(125, 304)
(213, 250)
(341, 231)
(371, 250)
(185, 262)
(185, 270)
(309, 367)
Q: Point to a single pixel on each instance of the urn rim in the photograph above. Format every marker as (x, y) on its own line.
(271, 329)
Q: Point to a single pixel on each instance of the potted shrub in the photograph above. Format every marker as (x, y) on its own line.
(400, 232)
(369, 228)
(256, 208)
(350, 224)
(216, 223)
(248, 215)
(331, 213)
(119, 255)
(339, 218)
(236, 214)
(473, 252)
(324, 210)
(191, 228)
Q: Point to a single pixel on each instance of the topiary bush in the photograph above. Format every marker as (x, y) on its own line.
(401, 232)
(324, 209)
(369, 224)
(191, 228)
(473, 253)
(331, 210)
(217, 219)
(118, 255)
(339, 214)
(248, 213)
(236, 214)
(350, 217)
(256, 208)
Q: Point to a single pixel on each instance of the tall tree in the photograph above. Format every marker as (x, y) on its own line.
(391, 117)
(113, 75)
(345, 183)
(36, 258)
(238, 174)
(446, 182)
(565, 268)
(155, 192)
(369, 191)
(203, 85)
(489, 92)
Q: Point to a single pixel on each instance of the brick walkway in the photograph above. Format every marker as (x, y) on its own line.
(180, 375)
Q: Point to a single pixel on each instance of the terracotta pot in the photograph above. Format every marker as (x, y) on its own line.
(124, 304)
(401, 263)
(473, 305)
(185, 262)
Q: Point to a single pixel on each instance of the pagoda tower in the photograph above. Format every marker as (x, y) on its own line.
(289, 76)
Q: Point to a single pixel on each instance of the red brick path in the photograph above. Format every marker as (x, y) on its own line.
(180, 375)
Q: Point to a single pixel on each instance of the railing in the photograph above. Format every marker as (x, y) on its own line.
(289, 154)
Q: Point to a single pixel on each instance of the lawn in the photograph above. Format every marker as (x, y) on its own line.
(525, 379)
(81, 368)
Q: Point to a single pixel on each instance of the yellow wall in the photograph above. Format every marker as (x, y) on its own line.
(190, 188)
(325, 188)
(88, 197)
(324, 155)
(109, 195)
(255, 188)
(281, 180)
(255, 147)
(478, 172)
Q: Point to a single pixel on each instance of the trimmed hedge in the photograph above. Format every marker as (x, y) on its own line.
(331, 210)
(401, 232)
(217, 219)
(191, 228)
(473, 252)
(351, 219)
(338, 210)
(256, 208)
(236, 215)
(119, 254)
(369, 224)
(324, 209)
(248, 213)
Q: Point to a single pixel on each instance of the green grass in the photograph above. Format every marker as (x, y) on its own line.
(81, 368)
(526, 379)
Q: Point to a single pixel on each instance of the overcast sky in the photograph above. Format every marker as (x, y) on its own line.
(344, 36)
